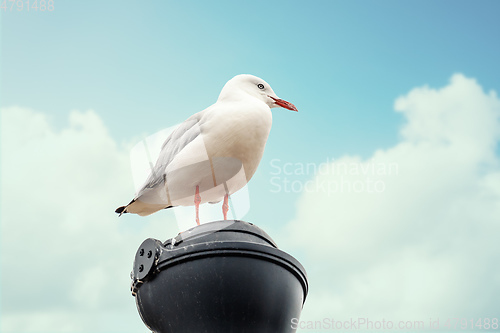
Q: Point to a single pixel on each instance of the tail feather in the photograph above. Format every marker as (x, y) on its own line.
(120, 210)
(123, 209)
(139, 208)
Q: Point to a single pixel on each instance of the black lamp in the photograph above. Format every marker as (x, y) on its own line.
(221, 277)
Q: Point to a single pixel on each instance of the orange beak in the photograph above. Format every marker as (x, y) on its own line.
(284, 104)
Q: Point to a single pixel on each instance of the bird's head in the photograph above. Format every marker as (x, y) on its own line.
(256, 87)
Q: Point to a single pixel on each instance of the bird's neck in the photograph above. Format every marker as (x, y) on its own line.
(232, 95)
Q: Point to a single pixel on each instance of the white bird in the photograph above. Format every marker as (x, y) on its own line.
(214, 153)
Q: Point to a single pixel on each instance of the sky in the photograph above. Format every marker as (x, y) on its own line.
(385, 185)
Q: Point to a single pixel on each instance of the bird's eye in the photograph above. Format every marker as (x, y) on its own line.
(260, 86)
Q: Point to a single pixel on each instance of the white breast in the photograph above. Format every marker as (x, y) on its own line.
(224, 157)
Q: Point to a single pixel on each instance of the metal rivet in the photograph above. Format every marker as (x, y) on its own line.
(141, 268)
(150, 254)
(141, 253)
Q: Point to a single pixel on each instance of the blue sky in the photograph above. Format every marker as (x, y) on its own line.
(145, 66)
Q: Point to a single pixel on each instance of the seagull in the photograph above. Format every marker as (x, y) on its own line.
(212, 154)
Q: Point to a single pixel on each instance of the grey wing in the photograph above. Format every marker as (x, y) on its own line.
(176, 141)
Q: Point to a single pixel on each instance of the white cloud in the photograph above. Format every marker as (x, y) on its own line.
(66, 257)
(426, 246)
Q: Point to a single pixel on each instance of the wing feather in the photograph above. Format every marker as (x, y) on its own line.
(184, 134)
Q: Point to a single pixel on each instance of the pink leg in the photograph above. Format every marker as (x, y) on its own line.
(225, 206)
(197, 200)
